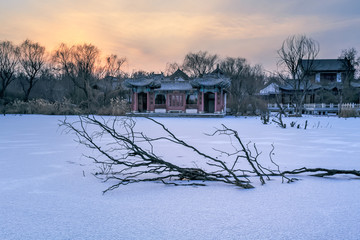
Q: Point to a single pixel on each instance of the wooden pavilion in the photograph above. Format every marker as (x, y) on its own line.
(179, 94)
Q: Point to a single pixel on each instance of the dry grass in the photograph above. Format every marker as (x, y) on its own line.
(348, 112)
(117, 107)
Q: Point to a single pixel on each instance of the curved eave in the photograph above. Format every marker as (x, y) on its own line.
(291, 88)
(211, 82)
(144, 82)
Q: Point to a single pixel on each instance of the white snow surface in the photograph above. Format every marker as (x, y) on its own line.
(47, 190)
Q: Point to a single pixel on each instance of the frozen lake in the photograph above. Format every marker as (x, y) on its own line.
(47, 190)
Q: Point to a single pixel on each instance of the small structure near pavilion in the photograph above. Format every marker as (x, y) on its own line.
(178, 93)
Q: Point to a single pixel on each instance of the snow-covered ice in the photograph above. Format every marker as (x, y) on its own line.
(47, 190)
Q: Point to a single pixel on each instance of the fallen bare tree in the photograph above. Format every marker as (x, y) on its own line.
(132, 153)
(126, 155)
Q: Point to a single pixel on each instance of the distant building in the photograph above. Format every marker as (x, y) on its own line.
(178, 93)
(327, 76)
(327, 71)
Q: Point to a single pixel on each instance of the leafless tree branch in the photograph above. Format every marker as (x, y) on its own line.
(126, 155)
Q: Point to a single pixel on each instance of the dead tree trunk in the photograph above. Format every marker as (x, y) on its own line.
(322, 172)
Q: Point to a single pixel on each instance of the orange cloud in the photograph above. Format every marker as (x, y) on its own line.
(152, 33)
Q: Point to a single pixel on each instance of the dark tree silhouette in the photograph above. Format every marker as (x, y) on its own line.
(246, 82)
(8, 64)
(171, 68)
(293, 51)
(32, 60)
(113, 66)
(200, 63)
(79, 64)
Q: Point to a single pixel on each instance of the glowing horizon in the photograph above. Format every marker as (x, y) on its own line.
(152, 34)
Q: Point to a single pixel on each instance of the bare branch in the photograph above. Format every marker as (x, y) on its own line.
(127, 156)
(323, 172)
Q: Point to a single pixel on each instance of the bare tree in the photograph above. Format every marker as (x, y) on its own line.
(32, 60)
(351, 61)
(246, 81)
(47, 87)
(113, 66)
(297, 55)
(235, 69)
(141, 74)
(110, 79)
(171, 68)
(79, 64)
(200, 63)
(256, 79)
(8, 64)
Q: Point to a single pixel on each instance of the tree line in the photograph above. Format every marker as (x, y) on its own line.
(81, 77)
(28, 71)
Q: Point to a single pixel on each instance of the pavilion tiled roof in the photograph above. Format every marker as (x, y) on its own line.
(143, 82)
(211, 81)
(326, 65)
(290, 87)
(179, 74)
(179, 84)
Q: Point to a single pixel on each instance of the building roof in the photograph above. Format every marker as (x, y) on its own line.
(218, 71)
(179, 74)
(211, 82)
(214, 79)
(176, 84)
(326, 65)
(333, 86)
(290, 87)
(142, 82)
(272, 88)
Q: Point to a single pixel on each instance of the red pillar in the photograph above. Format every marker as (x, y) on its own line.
(201, 103)
(221, 101)
(151, 100)
(135, 102)
(216, 107)
(183, 96)
(167, 101)
(147, 102)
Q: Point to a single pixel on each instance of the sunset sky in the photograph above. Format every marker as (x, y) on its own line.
(151, 33)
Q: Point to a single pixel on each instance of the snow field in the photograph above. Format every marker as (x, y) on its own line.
(47, 190)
